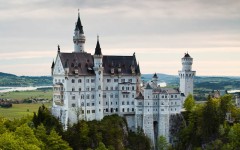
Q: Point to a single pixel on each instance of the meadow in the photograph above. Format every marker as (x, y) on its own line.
(19, 110)
(23, 109)
(22, 95)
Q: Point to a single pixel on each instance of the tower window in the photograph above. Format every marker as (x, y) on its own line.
(79, 80)
(73, 81)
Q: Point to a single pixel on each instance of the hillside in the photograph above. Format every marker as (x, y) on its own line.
(7, 79)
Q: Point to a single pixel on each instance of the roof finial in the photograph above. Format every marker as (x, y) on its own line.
(78, 13)
(58, 48)
(97, 37)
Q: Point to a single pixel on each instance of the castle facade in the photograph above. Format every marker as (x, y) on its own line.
(89, 87)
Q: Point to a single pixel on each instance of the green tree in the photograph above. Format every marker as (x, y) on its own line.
(101, 146)
(55, 142)
(189, 103)
(27, 134)
(225, 106)
(162, 143)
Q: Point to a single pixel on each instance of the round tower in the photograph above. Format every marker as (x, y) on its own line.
(79, 38)
(186, 76)
(155, 79)
(98, 69)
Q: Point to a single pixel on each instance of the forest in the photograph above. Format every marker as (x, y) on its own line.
(44, 131)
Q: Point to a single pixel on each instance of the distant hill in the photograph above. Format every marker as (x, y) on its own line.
(203, 85)
(7, 79)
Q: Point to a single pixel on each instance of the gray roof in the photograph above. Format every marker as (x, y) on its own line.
(166, 91)
(140, 96)
(84, 62)
(148, 86)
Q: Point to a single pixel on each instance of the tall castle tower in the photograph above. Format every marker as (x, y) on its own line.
(79, 38)
(98, 69)
(186, 75)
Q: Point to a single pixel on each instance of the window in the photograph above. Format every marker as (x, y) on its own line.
(122, 80)
(115, 80)
(99, 87)
(108, 80)
(73, 89)
(132, 95)
(104, 95)
(111, 88)
(133, 88)
(123, 110)
(73, 81)
(82, 96)
(126, 96)
(111, 96)
(123, 88)
(132, 109)
(73, 97)
(175, 96)
(116, 109)
(92, 104)
(116, 96)
(92, 89)
(132, 102)
(129, 80)
(171, 96)
(80, 89)
(79, 81)
(106, 88)
(92, 96)
(127, 102)
(87, 80)
(92, 80)
(106, 103)
(73, 105)
(93, 111)
(88, 96)
(116, 88)
(122, 102)
(87, 89)
(127, 88)
(88, 104)
(82, 104)
(88, 111)
(139, 103)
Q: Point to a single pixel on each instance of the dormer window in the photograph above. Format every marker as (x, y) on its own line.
(119, 70)
(112, 70)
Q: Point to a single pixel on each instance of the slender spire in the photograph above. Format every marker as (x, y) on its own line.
(53, 64)
(79, 24)
(98, 50)
(58, 48)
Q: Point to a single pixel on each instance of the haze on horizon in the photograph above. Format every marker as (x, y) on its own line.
(158, 31)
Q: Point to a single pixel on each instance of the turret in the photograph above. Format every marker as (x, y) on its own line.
(79, 38)
(155, 80)
(186, 76)
(98, 69)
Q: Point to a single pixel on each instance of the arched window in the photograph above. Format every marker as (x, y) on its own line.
(93, 96)
(82, 96)
(73, 89)
(73, 81)
(123, 88)
(79, 81)
(123, 110)
(88, 96)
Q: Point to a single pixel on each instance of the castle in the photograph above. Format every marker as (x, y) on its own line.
(89, 87)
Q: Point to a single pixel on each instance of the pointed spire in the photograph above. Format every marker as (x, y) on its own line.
(79, 24)
(155, 75)
(58, 48)
(53, 64)
(98, 50)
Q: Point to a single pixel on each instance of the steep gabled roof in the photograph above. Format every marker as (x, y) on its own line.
(140, 96)
(148, 86)
(187, 55)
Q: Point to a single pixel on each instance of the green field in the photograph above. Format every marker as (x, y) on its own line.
(19, 110)
(21, 95)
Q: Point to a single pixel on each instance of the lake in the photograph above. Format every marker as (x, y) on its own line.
(4, 89)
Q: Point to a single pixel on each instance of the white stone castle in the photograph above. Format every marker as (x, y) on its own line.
(92, 86)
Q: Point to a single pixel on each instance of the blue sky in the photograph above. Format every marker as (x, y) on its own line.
(158, 31)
